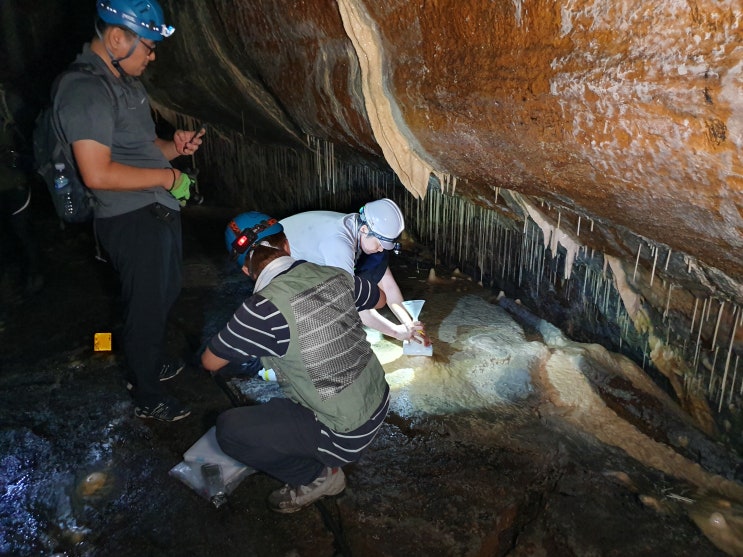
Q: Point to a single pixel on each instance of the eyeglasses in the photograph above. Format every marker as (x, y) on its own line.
(396, 247)
(150, 49)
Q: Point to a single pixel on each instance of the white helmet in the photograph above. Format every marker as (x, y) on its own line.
(385, 221)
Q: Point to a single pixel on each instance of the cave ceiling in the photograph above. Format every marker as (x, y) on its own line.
(628, 114)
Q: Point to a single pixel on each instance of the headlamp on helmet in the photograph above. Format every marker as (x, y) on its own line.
(247, 230)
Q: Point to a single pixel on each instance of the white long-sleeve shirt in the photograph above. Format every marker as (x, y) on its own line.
(324, 238)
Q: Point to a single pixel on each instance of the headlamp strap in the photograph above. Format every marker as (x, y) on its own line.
(247, 237)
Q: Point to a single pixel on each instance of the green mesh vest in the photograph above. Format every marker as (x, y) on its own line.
(330, 367)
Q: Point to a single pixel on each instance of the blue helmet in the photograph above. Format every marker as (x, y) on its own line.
(246, 230)
(143, 17)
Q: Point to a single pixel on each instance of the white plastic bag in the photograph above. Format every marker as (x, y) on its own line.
(209, 471)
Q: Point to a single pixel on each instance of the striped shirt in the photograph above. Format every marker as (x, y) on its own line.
(339, 449)
(259, 329)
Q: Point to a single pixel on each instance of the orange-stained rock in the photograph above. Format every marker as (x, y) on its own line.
(630, 113)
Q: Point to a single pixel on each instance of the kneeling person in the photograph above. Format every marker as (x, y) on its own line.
(302, 320)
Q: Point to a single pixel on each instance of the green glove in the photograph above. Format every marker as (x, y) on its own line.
(181, 190)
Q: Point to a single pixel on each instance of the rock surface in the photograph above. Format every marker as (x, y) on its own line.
(483, 452)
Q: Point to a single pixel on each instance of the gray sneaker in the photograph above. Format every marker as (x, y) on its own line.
(290, 499)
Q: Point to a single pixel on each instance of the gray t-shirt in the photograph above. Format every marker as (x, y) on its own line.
(86, 111)
(324, 238)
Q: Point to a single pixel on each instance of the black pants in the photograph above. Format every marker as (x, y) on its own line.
(18, 242)
(372, 266)
(146, 249)
(286, 440)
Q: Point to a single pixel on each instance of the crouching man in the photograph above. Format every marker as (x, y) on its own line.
(302, 320)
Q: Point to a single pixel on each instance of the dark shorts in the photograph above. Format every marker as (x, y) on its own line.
(373, 266)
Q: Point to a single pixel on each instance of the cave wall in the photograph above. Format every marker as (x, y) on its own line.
(624, 112)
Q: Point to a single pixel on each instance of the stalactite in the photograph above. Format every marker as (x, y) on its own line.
(668, 301)
(710, 391)
(637, 260)
(717, 323)
(727, 358)
(695, 361)
(654, 253)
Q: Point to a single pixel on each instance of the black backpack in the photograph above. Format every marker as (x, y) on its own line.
(51, 147)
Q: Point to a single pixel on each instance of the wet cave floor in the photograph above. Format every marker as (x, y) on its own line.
(484, 451)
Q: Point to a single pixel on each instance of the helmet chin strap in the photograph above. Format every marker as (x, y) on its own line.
(360, 223)
(115, 61)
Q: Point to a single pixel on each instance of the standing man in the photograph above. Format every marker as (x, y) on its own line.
(303, 321)
(105, 115)
(359, 243)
